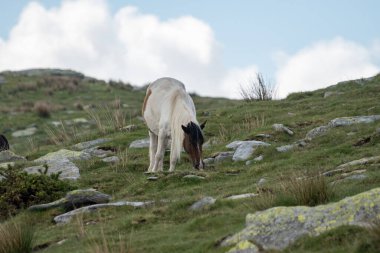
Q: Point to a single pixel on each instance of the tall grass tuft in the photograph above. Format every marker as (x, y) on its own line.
(295, 191)
(257, 90)
(16, 238)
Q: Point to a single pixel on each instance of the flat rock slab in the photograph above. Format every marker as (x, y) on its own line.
(75, 199)
(66, 168)
(63, 154)
(193, 177)
(318, 131)
(143, 143)
(346, 121)
(9, 156)
(278, 227)
(200, 204)
(363, 161)
(25, 132)
(66, 217)
(90, 144)
(242, 196)
(224, 156)
(244, 149)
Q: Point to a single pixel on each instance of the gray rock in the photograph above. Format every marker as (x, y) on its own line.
(5, 165)
(264, 136)
(63, 154)
(261, 181)
(66, 168)
(223, 156)
(144, 143)
(89, 144)
(209, 160)
(111, 159)
(257, 159)
(56, 123)
(285, 148)
(278, 227)
(26, 132)
(282, 128)
(206, 201)
(152, 178)
(346, 121)
(242, 196)
(66, 217)
(318, 131)
(193, 177)
(246, 148)
(357, 177)
(9, 156)
(97, 152)
(75, 199)
(363, 161)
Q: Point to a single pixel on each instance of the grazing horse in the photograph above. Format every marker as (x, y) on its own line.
(4, 145)
(169, 113)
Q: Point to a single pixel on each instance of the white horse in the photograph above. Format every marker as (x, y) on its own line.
(169, 113)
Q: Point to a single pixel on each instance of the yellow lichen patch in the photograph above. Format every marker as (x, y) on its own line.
(301, 218)
(244, 245)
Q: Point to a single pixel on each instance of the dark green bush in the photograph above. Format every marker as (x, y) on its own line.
(20, 190)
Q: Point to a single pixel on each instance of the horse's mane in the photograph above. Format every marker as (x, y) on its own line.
(182, 114)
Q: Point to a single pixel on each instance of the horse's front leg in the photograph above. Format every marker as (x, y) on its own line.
(159, 157)
(152, 150)
(173, 157)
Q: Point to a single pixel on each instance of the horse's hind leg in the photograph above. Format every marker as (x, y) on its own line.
(152, 150)
(159, 157)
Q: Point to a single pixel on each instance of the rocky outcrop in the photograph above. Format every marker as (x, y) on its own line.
(63, 166)
(75, 199)
(278, 227)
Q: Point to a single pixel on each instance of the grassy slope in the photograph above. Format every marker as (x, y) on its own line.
(169, 226)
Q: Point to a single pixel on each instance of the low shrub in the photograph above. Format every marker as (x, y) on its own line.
(42, 108)
(20, 190)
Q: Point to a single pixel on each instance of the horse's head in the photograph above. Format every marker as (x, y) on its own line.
(193, 142)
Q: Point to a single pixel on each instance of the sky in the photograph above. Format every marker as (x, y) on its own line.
(213, 46)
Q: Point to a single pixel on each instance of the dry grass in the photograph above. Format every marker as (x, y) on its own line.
(295, 191)
(60, 134)
(16, 238)
(374, 232)
(108, 118)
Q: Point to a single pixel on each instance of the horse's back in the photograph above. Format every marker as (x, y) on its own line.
(160, 99)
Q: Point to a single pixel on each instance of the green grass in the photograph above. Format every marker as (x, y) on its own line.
(168, 226)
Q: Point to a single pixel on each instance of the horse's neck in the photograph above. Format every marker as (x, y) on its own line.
(183, 114)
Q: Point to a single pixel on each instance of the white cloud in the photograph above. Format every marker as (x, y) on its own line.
(324, 63)
(84, 35)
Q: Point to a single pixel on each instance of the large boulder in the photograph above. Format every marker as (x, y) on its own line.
(63, 154)
(346, 121)
(63, 166)
(278, 227)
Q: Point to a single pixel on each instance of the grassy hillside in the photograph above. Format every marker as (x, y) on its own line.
(168, 225)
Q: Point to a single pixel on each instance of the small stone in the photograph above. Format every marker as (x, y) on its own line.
(9, 156)
(111, 159)
(259, 158)
(263, 136)
(194, 177)
(332, 93)
(318, 131)
(282, 128)
(223, 156)
(206, 201)
(357, 177)
(242, 196)
(26, 132)
(285, 148)
(152, 178)
(209, 160)
(261, 181)
(143, 143)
